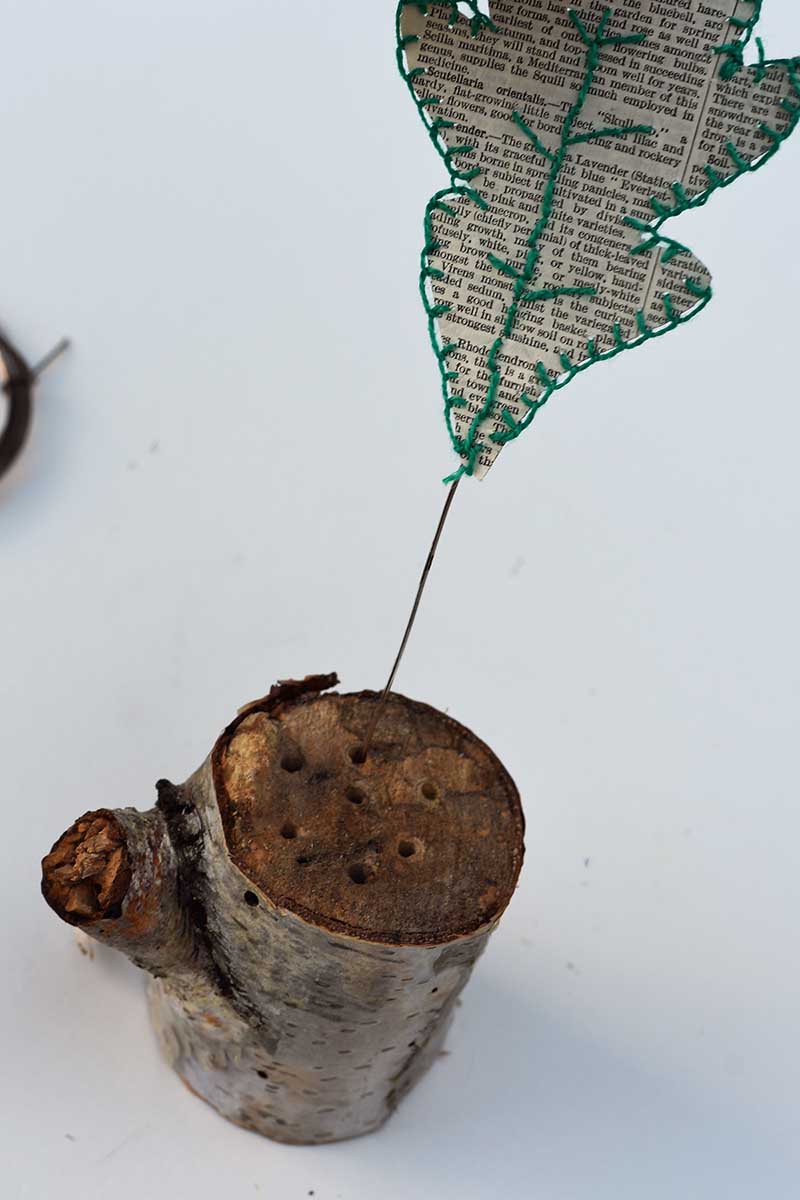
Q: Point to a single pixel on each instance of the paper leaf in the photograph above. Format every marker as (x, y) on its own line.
(571, 137)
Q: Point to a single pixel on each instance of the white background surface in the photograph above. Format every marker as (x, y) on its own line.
(223, 488)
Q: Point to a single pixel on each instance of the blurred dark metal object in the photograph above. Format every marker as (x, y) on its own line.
(17, 380)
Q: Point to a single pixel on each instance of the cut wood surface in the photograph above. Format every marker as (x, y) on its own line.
(309, 915)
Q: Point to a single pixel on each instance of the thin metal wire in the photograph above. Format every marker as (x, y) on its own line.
(426, 570)
(50, 357)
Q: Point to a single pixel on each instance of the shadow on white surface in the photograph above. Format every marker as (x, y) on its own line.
(522, 1104)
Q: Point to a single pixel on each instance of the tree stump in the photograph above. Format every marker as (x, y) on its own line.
(309, 915)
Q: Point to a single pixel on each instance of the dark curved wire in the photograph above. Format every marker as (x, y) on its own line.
(18, 387)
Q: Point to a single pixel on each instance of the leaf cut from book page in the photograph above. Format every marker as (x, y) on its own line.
(571, 137)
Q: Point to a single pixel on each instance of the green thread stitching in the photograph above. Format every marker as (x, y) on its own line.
(554, 384)
(478, 20)
(664, 212)
(734, 53)
(470, 447)
(435, 125)
(742, 165)
(459, 188)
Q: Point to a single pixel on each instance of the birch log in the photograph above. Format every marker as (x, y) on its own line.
(308, 916)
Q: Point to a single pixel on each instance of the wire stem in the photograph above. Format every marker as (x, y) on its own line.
(426, 570)
(50, 357)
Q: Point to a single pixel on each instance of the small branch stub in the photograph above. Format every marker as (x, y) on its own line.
(308, 915)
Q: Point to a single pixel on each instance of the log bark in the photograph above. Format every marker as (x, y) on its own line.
(308, 916)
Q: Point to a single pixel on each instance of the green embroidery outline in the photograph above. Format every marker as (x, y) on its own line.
(469, 447)
(459, 187)
(733, 52)
(652, 239)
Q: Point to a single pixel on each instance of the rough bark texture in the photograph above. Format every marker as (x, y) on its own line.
(309, 918)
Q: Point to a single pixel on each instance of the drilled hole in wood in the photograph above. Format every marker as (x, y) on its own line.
(251, 898)
(288, 830)
(429, 790)
(355, 795)
(262, 1074)
(357, 872)
(358, 755)
(406, 849)
(292, 761)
